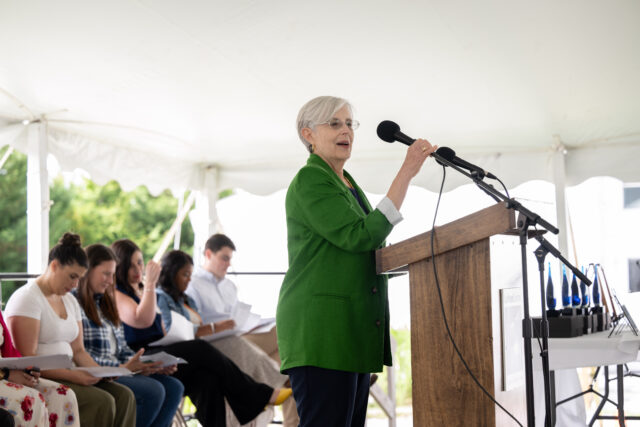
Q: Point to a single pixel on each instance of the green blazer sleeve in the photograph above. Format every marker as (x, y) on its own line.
(333, 309)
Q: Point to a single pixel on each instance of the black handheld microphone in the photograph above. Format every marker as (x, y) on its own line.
(390, 131)
(450, 155)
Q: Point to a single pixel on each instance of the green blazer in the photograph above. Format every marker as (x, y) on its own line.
(333, 310)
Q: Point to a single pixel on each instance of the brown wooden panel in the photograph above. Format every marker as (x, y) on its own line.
(443, 392)
(496, 219)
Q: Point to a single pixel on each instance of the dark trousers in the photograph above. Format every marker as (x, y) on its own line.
(6, 419)
(209, 377)
(326, 397)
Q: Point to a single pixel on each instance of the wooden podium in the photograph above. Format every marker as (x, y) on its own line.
(443, 392)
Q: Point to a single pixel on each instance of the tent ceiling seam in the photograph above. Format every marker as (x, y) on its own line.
(21, 105)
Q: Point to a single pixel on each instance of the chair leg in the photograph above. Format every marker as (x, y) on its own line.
(178, 418)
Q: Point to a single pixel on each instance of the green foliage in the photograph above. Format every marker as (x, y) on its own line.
(13, 218)
(402, 365)
(103, 214)
(99, 214)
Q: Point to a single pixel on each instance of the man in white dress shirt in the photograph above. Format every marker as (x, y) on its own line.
(217, 297)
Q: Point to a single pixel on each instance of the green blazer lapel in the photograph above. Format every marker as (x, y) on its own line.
(360, 192)
(315, 160)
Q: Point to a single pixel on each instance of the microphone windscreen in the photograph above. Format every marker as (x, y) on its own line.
(387, 129)
(446, 153)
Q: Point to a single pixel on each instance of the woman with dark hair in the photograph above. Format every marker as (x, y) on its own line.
(209, 377)
(175, 276)
(157, 394)
(45, 319)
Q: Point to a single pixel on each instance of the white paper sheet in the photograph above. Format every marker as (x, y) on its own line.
(252, 322)
(219, 335)
(241, 314)
(52, 361)
(164, 357)
(263, 326)
(254, 325)
(181, 330)
(106, 371)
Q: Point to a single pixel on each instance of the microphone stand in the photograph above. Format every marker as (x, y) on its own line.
(526, 219)
(540, 253)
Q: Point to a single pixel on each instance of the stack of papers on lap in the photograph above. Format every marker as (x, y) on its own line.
(106, 371)
(164, 357)
(52, 361)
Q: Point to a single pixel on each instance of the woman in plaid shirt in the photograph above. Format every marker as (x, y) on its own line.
(157, 394)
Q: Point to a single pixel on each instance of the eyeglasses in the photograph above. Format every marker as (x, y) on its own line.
(336, 124)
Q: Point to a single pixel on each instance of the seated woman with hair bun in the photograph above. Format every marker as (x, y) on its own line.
(209, 377)
(45, 319)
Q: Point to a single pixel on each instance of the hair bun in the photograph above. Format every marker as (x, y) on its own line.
(70, 239)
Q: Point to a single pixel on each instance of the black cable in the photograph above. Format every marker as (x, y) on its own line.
(504, 186)
(444, 316)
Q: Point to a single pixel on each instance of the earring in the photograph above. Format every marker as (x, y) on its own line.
(311, 148)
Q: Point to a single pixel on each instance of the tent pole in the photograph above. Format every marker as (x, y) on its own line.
(559, 179)
(206, 225)
(6, 156)
(178, 235)
(38, 202)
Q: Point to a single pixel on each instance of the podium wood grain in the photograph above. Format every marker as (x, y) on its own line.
(439, 378)
(443, 393)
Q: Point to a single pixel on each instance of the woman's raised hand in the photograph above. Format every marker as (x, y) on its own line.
(417, 153)
(151, 274)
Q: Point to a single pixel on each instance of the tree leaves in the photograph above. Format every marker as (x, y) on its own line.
(99, 214)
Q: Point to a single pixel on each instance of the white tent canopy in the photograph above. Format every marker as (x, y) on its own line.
(155, 92)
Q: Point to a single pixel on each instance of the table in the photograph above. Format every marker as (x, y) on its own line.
(591, 350)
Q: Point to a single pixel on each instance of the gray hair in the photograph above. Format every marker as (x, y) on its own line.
(318, 110)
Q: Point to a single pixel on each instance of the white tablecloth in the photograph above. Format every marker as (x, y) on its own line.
(589, 350)
(567, 354)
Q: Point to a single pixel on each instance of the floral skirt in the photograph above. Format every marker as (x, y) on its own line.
(48, 404)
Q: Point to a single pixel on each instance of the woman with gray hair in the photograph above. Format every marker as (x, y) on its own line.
(333, 314)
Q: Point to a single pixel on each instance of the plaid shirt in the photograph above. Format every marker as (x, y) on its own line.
(96, 339)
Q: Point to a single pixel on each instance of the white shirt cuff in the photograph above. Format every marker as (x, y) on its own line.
(389, 210)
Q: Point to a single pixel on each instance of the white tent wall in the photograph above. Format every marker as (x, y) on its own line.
(160, 92)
